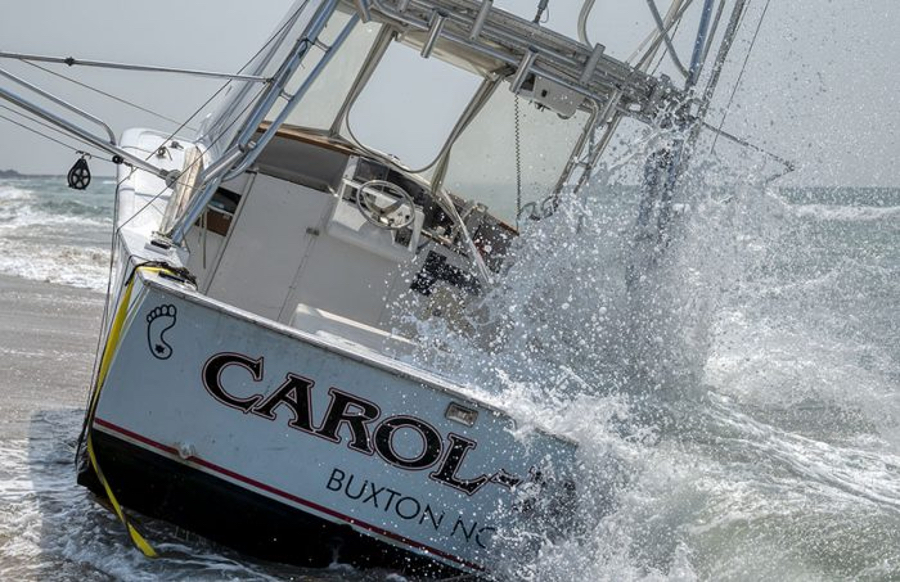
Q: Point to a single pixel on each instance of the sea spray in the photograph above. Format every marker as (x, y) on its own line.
(748, 429)
(735, 419)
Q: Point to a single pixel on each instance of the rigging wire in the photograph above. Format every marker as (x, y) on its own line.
(661, 26)
(518, 134)
(38, 122)
(662, 56)
(181, 125)
(35, 131)
(44, 135)
(737, 83)
(197, 161)
(118, 229)
(146, 109)
(103, 93)
(287, 23)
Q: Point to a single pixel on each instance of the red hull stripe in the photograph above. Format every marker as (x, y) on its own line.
(284, 494)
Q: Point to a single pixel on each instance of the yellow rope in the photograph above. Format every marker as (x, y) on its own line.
(112, 343)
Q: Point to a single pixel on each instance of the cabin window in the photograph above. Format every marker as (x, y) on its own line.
(483, 160)
(410, 105)
(324, 98)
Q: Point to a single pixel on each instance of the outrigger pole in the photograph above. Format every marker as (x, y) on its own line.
(665, 167)
(73, 62)
(107, 145)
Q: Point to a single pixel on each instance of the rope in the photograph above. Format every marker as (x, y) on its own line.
(99, 374)
(740, 76)
(112, 344)
(518, 133)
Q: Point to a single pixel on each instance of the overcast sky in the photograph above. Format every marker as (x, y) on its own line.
(820, 87)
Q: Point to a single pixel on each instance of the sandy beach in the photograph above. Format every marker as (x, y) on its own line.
(48, 336)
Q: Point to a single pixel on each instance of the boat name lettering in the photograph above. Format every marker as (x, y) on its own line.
(370, 433)
(407, 508)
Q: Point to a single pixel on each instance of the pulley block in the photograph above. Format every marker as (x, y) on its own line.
(79, 177)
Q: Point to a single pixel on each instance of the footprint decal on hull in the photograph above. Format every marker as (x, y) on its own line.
(159, 321)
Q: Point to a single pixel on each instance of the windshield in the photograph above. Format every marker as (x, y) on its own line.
(324, 98)
(512, 144)
(409, 106)
(236, 102)
(405, 107)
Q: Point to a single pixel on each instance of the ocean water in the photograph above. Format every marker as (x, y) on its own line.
(737, 406)
(51, 233)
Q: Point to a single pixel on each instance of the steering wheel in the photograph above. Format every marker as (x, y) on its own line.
(385, 217)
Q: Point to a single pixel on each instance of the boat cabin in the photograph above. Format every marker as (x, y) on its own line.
(392, 190)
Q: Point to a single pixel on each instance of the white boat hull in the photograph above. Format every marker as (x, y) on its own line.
(224, 399)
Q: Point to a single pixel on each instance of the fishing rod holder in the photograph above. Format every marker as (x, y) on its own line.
(524, 69)
(478, 28)
(437, 27)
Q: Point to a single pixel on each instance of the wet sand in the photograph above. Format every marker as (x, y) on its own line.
(48, 336)
(50, 528)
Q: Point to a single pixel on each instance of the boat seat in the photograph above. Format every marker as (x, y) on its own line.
(333, 327)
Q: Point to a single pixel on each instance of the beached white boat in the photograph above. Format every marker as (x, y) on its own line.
(365, 170)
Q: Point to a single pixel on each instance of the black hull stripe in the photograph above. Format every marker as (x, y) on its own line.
(285, 495)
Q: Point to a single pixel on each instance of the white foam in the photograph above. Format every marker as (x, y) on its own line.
(51, 246)
(845, 213)
(75, 266)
